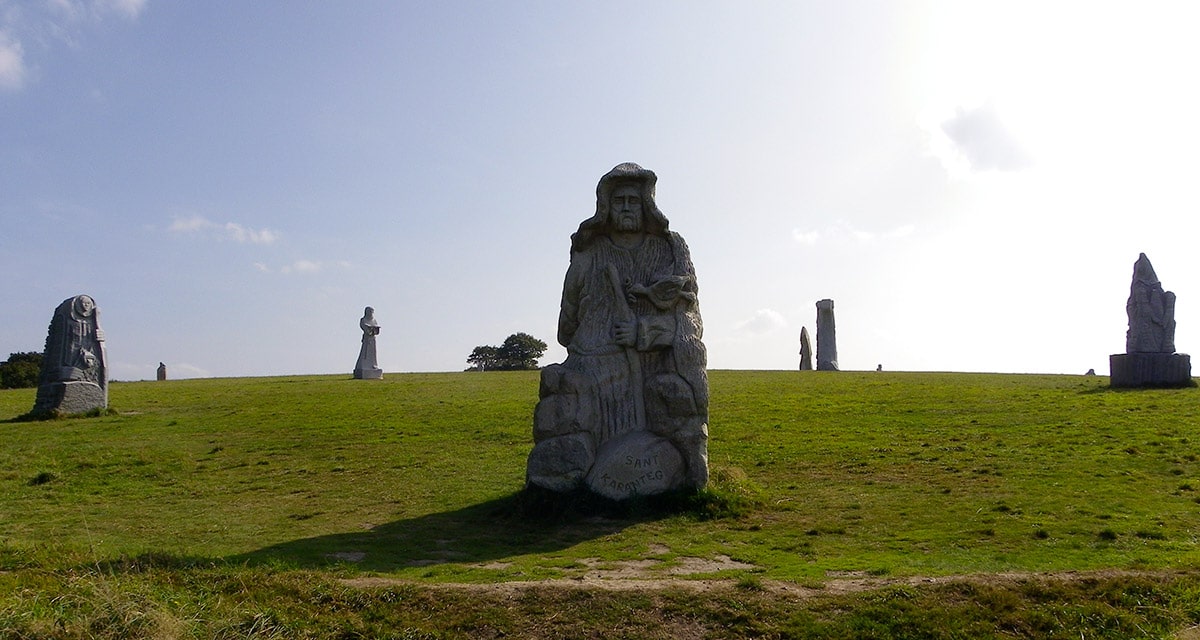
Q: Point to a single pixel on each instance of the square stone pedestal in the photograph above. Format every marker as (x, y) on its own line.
(71, 397)
(368, 374)
(1134, 370)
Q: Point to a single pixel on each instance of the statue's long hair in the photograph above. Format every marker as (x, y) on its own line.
(625, 173)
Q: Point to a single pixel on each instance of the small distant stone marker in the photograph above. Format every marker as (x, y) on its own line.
(827, 358)
(626, 413)
(74, 375)
(162, 372)
(1149, 359)
(367, 367)
(805, 350)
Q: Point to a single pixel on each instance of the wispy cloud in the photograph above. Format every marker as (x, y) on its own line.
(48, 24)
(245, 234)
(805, 237)
(228, 231)
(846, 230)
(763, 321)
(12, 63)
(96, 10)
(188, 225)
(872, 237)
(983, 139)
(130, 9)
(304, 267)
(180, 370)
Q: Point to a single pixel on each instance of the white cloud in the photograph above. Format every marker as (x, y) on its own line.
(48, 24)
(302, 266)
(180, 370)
(805, 237)
(187, 225)
(229, 230)
(76, 10)
(130, 9)
(843, 230)
(763, 321)
(984, 140)
(255, 236)
(12, 63)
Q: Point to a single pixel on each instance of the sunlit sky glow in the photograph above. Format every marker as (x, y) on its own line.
(233, 181)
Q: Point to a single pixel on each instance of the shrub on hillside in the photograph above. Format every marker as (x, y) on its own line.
(21, 370)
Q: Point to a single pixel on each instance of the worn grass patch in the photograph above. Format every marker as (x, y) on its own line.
(272, 482)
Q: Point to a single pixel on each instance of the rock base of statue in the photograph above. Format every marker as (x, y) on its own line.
(69, 398)
(368, 374)
(636, 464)
(1137, 370)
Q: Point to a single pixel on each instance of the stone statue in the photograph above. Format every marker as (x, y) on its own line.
(367, 367)
(827, 358)
(1149, 359)
(1151, 312)
(627, 412)
(74, 375)
(161, 374)
(805, 350)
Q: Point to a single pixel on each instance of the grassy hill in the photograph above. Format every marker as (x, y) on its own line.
(843, 505)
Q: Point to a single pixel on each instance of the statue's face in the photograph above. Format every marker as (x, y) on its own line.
(84, 306)
(625, 208)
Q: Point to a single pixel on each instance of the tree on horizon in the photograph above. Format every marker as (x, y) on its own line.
(519, 352)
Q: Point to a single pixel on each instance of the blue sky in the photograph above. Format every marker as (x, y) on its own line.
(234, 181)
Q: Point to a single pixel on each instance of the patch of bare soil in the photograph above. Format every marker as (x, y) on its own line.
(649, 575)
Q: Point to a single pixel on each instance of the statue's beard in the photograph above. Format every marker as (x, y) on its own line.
(628, 223)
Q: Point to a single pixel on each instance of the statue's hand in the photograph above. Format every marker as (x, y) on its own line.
(625, 333)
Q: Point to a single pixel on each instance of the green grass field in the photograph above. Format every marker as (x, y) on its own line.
(905, 505)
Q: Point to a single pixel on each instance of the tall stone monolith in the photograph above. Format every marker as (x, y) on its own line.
(827, 358)
(805, 350)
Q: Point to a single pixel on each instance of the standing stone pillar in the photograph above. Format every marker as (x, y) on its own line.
(826, 337)
(162, 372)
(805, 350)
(1149, 359)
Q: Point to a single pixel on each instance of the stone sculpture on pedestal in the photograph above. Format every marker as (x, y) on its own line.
(1149, 359)
(74, 375)
(805, 350)
(827, 358)
(367, 367)
(627, 412)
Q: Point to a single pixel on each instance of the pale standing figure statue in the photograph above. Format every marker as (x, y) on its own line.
(368, 363)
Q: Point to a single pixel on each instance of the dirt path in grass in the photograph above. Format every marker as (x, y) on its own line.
(650, 575)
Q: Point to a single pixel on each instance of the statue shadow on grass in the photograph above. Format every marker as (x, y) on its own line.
(521, 523)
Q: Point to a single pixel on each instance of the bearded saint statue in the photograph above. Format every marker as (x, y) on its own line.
(627, 412)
